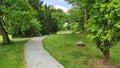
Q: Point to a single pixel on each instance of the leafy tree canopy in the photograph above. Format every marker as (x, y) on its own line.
(20, 18)
(104, 24)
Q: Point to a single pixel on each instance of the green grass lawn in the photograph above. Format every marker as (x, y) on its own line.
(64, 32)
(12, 54)
(63, 48)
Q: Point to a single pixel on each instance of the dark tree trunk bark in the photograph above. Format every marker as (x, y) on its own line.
(106, 53)
(2, 30)
(85, 18)
(4, 33)
(107, 57)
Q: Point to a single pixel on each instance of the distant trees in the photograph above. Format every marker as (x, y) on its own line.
(51, 19)
(83, 6)
(60, 17)
(49, 24)
(76, 19)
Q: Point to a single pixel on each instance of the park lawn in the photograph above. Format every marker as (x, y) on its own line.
(63, 48)
(64, 32)
(12, 54)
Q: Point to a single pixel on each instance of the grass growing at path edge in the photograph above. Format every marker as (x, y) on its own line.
(12, 54)
(63, 48)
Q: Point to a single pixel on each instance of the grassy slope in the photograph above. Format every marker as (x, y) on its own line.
(12, 55)
(63, 48)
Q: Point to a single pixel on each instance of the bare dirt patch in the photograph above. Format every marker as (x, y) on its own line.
(98, 63)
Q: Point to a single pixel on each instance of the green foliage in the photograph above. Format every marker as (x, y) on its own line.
(75, 16)
(20, 19)
(76, 27)
(60, 17)
(68, 27)
(48, 23)
(34, 4)
(80, 12)
(104, 23)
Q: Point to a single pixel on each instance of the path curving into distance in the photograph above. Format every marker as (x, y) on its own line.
(37, 57)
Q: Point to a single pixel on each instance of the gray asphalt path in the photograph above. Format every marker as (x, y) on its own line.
(37, 57)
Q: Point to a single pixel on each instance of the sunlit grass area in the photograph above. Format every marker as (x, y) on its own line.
(0, 38)
(12, 54)
(63, 48)
(64, 32)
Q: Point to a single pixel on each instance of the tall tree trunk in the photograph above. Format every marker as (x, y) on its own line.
(4, 33)
(85, 18)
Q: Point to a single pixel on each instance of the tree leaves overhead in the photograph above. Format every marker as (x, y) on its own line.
(18, 15)
(35, 4)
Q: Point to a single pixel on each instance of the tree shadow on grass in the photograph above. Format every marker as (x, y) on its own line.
(14, 42)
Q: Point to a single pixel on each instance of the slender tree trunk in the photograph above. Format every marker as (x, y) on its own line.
(107, 57)
(105, 53)
(85, 18)
(4, 33)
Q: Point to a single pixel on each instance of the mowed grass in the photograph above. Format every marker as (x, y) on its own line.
(63, 48)
(12, 54)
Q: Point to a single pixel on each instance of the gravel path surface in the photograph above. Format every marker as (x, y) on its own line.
(37, 57)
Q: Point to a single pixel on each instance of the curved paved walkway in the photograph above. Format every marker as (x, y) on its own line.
(37, 57)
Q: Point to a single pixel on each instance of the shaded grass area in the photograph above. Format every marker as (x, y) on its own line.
(12, 54)
(63, 48)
